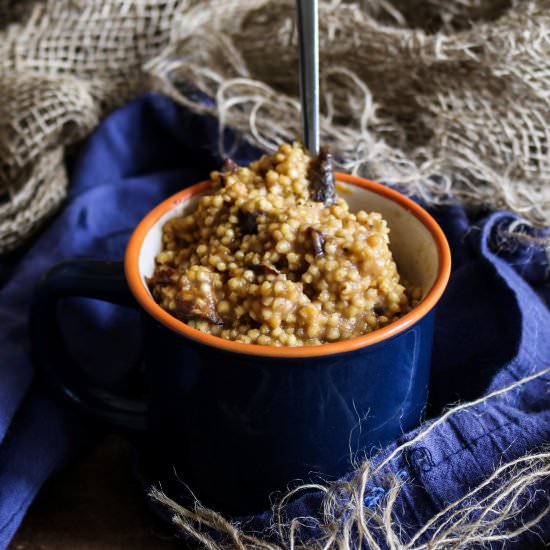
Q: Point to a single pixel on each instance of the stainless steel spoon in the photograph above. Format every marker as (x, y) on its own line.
(308, 38)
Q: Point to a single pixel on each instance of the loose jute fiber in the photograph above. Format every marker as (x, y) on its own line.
(507, 504)
(448, 99)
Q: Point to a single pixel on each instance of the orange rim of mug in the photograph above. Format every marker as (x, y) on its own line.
(141, 293)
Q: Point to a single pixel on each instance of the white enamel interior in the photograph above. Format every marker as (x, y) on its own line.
(412, 245)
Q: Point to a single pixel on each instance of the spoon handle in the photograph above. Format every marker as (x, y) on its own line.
(308, 37)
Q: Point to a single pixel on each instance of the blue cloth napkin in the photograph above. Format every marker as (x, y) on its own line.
(493, 324)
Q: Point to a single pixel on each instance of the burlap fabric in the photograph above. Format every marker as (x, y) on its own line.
(450, 99)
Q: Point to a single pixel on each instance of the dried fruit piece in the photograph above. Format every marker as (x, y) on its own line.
(161, 276)
(321, 177)
(248, 222)
(197, 308)
(317, 240)
(228, 167)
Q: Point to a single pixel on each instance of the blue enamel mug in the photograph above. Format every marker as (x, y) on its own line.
(232, 422)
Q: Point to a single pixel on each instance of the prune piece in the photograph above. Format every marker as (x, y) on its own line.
(197, 309)
(309, 291)
(161, 276)
(317, 241)
(321, 177)
(228, 167)
(248, 222)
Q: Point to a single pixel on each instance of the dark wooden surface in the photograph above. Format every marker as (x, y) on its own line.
(95, 504)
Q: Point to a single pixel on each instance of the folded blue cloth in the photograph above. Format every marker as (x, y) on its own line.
(493, 326)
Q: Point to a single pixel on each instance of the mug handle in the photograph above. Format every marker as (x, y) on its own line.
(86, 279)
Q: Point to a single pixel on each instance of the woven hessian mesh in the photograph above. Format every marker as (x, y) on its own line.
(449, 99)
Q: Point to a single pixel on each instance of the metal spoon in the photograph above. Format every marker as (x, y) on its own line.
(308, 38)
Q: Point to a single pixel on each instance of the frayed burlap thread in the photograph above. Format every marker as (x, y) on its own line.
(510, 502)
(62, 69)
(448, 99)
(462, 112)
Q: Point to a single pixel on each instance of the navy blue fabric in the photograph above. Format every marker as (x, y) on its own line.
(493, 325)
